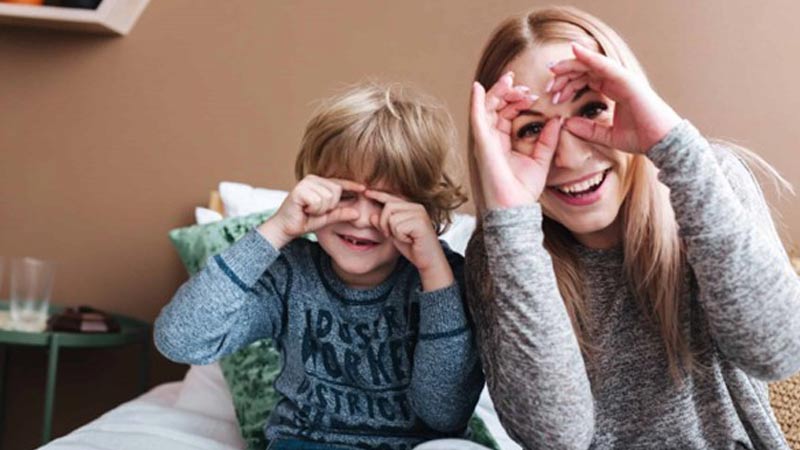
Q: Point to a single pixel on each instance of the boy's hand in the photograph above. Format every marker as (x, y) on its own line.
(311, 205)
(409, 226)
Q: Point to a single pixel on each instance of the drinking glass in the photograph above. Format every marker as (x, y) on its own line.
(31, 286)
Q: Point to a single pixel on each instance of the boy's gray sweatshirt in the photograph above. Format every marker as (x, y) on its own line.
(385, 368)
(740, 314)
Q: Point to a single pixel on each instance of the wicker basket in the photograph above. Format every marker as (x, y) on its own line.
(784, 396)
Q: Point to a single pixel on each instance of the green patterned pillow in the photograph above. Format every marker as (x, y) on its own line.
(251, 372)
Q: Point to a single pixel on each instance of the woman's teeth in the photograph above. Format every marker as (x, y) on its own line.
(583, 186)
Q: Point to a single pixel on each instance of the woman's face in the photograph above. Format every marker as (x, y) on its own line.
(585, 183)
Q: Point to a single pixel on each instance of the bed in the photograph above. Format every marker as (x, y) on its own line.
(198, 412)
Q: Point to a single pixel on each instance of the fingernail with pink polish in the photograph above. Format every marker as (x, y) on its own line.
(533, 97)
(551, 64)
(556, 98)
(549, 85)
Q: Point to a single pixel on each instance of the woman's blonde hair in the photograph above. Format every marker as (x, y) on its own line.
(375, 133)
(654, 260)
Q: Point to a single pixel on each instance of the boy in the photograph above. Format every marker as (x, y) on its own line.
(377, 350)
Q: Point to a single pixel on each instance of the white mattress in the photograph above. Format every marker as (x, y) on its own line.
(197, 413)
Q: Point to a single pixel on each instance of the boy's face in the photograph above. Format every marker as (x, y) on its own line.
(361, 255)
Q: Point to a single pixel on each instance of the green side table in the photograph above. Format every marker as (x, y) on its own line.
(132, 332)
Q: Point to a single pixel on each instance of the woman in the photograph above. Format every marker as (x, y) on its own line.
(627, 283)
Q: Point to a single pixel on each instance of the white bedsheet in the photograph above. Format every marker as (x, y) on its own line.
(152, 422)
(197, 414)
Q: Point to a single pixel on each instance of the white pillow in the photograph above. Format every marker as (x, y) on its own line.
(485, 410)
(457, 236)
(205, 391)
(241, 199)
(205, 215)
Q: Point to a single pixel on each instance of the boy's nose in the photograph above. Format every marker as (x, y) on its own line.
(365, 209)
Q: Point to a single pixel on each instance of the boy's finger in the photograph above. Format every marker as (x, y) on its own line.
(348, 185)
(382, 197)
(324, 202)
(386, 216)
(402, 230)
(310, 200)
(335, 216)
(375, 221)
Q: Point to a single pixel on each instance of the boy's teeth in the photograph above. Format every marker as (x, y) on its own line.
(583, 185)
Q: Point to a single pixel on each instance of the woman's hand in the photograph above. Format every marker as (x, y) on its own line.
(641, 117)
(312, 204)
(409, 227)
(508, 178)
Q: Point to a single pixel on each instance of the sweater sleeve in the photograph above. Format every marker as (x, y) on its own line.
(531, 358)
(446, 380)
(748, 289)
(238, 298)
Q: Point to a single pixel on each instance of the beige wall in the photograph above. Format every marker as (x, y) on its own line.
(107, 143)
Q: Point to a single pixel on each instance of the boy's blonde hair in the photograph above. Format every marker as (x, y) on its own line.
(374, 133)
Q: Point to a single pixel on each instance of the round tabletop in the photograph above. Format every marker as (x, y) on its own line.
(131, 331)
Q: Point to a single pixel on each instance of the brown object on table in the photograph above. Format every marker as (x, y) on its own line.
(83, 319)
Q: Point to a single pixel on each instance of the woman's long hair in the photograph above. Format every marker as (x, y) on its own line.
(654, 260)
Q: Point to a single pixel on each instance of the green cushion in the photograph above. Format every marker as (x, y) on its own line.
(251, 371)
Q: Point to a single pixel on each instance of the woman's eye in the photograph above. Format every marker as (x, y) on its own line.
(530, 130)
(592, 110)
(347, 196)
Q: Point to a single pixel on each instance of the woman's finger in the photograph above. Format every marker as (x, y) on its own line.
(570, 89)
(590, 130)
(600, 65)
(495, 96)
(546, 145)
(567, 65)
(559, 81)
(516, 94)
(512, 110)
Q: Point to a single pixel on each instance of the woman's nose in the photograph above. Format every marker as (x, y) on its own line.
(571, 151)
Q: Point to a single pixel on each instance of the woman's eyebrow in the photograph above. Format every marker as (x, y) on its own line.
(530, 112)
(579, 93)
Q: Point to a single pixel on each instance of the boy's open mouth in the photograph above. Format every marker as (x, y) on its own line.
(357, 243)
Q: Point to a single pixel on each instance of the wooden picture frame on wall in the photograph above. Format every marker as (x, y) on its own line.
(115, 17)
